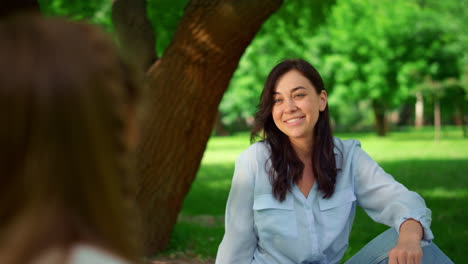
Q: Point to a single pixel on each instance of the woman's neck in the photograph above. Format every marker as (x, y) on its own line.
(303, 149)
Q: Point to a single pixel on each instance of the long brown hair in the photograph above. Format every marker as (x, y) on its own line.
(287, 168)
(64, 174)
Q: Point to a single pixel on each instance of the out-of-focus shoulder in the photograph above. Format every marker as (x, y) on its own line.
(86, 254)
(79, 254)
(256, 150)
(344, 146)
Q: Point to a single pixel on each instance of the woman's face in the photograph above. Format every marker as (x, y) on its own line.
(296, 105)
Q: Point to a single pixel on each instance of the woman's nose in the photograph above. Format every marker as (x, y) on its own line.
(290, 106)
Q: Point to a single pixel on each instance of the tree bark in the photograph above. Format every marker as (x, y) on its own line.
(11, 7)
(380, 120)
(134, 32)
(184, 88)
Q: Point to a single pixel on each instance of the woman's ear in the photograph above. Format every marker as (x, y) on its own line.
(323, 97)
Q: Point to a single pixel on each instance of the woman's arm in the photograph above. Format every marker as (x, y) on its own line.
(385, 200)
(239, 241)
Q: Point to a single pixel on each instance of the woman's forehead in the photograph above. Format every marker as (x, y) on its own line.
(292, 81)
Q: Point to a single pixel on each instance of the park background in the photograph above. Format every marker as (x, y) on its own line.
(397, 77)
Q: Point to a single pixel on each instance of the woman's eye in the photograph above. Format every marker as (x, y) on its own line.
(277, 101)
(299, 95)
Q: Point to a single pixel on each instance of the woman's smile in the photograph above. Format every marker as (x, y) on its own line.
(295, 121)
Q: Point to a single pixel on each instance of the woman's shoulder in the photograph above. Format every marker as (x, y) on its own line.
(345, 151)
(87, 254)
(345, 146)
(78, 254)
(256, 151)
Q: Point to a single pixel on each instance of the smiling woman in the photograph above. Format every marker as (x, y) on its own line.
(293, 105)
(297, 105)
(294, 194)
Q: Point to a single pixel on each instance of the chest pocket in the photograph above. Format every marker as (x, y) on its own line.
(273, 218)
(336, 211)
(338, 199)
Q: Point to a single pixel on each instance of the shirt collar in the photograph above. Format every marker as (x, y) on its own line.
(338, 158)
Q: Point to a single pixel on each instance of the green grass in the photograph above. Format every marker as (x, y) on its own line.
(438, 171)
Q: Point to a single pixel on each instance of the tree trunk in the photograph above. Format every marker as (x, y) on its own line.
(464, 119)
(436, 119)
(459, 116)
(405, 114)
(11, 7)
(184, 89)
(380, 120)
(419, 120)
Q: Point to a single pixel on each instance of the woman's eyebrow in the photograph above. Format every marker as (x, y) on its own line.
(292, 90)
(297, 88)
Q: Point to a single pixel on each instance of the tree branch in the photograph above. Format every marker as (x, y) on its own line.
(134, 32)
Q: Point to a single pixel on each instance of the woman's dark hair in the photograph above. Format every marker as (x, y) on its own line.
(286, 167)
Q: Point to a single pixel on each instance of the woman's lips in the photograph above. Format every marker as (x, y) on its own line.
(294, 120)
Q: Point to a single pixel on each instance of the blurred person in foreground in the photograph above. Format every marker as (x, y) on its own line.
(294, 193)
(67, 126)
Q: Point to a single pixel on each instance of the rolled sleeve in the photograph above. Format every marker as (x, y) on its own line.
(240, 240)
(385, 200)
(423, 216)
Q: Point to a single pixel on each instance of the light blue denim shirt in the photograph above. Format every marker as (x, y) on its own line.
(261, 230)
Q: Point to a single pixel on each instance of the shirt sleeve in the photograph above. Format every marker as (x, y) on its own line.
(385, 200)
(240, 240)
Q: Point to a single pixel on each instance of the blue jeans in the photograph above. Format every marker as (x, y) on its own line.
(376, 251)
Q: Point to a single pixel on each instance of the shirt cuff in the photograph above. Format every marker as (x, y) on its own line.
(423, 216)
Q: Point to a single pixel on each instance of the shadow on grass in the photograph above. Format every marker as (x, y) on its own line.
(209, 193)
(443, 184)
(421, 175)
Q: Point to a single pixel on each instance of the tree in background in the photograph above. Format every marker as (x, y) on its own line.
(363, 45)
(369, 53)
(183, 90)
(370, 48)
(183, 87)
(434, 68)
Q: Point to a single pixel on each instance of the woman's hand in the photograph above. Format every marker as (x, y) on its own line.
(408, 249)
(405, 252)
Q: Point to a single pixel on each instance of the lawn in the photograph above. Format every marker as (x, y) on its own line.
(437, 171)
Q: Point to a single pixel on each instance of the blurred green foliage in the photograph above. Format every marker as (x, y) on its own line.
(96, 11)
(165, 16)
(367, 51)
(382, 51)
